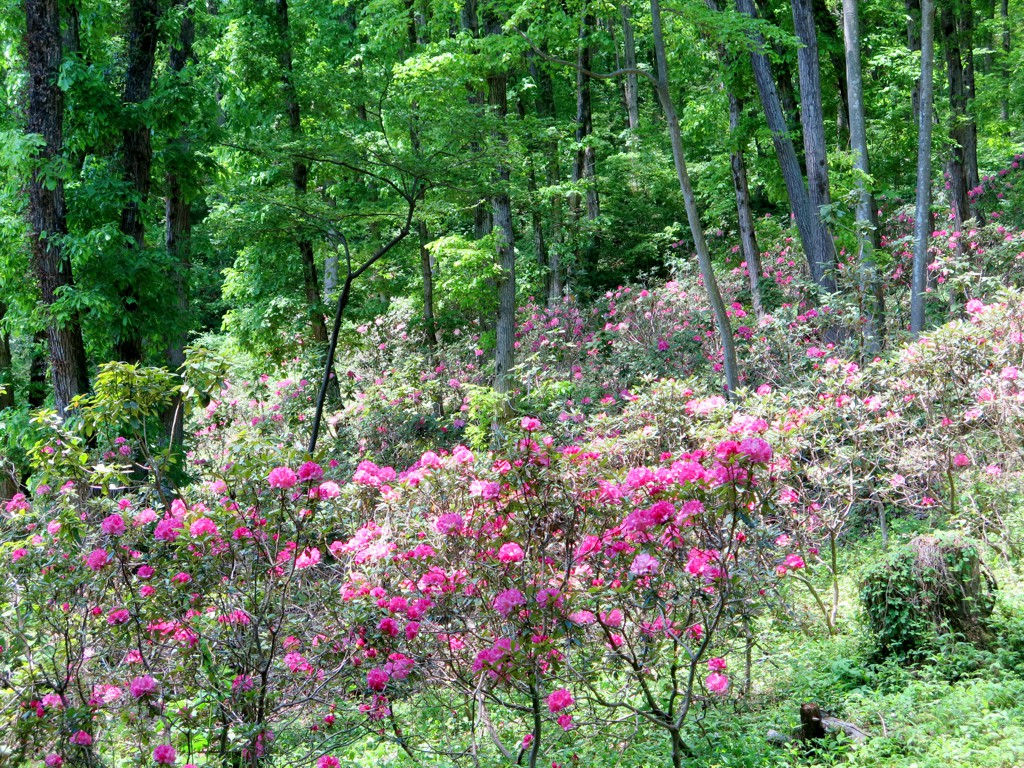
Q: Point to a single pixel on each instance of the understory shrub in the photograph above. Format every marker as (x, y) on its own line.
(933, 586)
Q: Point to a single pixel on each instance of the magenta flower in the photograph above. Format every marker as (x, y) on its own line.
(377, 679)
(310, 471)
(308, 558)
(510, 552)
(142, 686)
(327, 761)
(716, 664)
(164, 754)
(97, 559)
(81, 738)
(53, 760)
(530, 424)
(644, 565)
(508, 601)
(559, 700)
(716, 683)
(282, 477)
(17, 554)
(113, 525)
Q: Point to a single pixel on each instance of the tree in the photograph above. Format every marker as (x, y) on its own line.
(872, 290)
(46, 206)
(922, 213)
(818, 245)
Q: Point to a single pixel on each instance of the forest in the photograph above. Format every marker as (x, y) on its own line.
(482, 383)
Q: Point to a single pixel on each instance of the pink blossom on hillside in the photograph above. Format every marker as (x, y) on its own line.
(508, 601)
(142, 686)
(559, 700)
(204, 526)
(310, 471)
(377, 679)
(97, 559)
(449, 524)
(164, 754)
(308, 558)
(113, 525)
(282, 477)
(716, 683)
(510, 552)
(644, 565)
(484, 489)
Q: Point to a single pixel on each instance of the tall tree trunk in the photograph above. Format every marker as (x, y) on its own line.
(6, 367)
(583, 169)
(817, 242)
(38, 363)
(427, 272)
(501, 210)
(632, 91)
(137, 160)
(956, 163)
(178, 236)
(545, 101)
(46, 208)
(832, 41)
(748, 236)
(811, 114)
(1004, 16)
(913, 8)
(690, 201)
(872, 290)
(300, 173)
(922, 214)
(782, 67)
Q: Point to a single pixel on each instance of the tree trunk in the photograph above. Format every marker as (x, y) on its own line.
(832, 41)
(46, 209)
(748, 236)
(1004, 102)
(6, 371)
(631, 85)
(811, 115)
(178, 237)
(427, 271)
(922, 214)
(872, 290)
(783, 70)
(553, 177)
(913, 8)
(583, 169)
(817, 242)
(300, 174)
(501, 210)
(956, 163)
(137, 160)
(690, 201)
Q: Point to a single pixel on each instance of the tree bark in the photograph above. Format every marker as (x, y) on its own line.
(6, 370)
(300, 173)
(817, 242)
(959, 132)
(832, 42)
(745, 216)
(427, 272)
(782, 67)
(1004, 16)
(913, 8)
(811, 114)
(707, 271)
(178, 235)
(46, 208)
(501, 211)
(545, 103)
(583, 169)
(631, 85)
(922, 214)
(137, 162)
(872, 291)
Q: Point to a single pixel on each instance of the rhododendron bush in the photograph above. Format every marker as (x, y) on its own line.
(277, 611)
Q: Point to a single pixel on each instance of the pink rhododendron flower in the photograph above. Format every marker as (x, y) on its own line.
(310, 471)
(53, 760)
(1009, 373)
(716, 664)
(530, 424)
(329, 490)
(484, 489)
(19, 553)
(164, 754)
(81, 738)
(449, 524)
(142, 686)
(508, 601)
(377, 679)
(974, 306)
(113, 525)
(559, 700)
(756, 450)
(794, 562)
(510, 552)
(282, 477)
(204, 526)
(961, 460)
(309, 557)
(97, 559)
(716, 683)
(328, 761)
(644, 565)
(168, 529)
